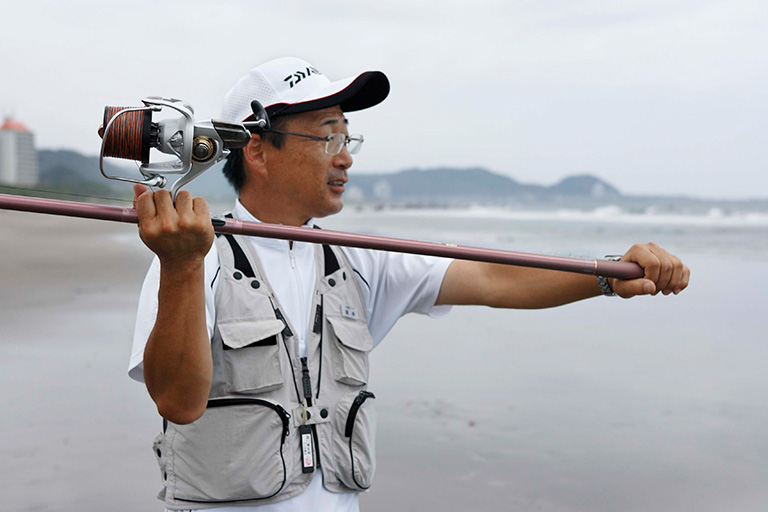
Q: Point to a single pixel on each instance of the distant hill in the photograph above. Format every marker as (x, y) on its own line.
(584, 185)
(69, 170)
(72, 171)
(473, 184)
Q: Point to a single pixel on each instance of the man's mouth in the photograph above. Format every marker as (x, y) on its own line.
(337, 183)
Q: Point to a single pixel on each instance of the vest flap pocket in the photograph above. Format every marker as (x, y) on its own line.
(353, 342)
(251, 355)
(244, 333)
(352, 333)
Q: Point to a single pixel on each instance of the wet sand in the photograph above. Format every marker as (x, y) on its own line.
(605, 405)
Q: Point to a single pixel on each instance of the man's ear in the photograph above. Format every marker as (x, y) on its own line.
(254, 157)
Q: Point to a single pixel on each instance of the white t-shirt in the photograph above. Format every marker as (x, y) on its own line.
(393, 285)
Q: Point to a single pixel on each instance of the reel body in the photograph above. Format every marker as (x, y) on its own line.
(129, 133)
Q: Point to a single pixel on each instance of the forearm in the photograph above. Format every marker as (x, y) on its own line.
(177, 359)
(506, 286)
(532, 288)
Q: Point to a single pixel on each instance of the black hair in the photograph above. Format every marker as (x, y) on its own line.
(233, 168)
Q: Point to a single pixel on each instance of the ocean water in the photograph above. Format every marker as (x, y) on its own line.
(654, 403)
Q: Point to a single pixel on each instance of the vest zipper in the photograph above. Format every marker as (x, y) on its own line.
(227, 402)
(349, 427)
(356, 404)
(318, 329)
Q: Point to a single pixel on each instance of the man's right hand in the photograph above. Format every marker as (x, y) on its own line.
(178, 233)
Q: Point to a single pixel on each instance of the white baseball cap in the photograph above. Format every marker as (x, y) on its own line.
(290, 85)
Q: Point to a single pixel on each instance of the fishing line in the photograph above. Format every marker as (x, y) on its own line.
(71, 194)
(130, 134)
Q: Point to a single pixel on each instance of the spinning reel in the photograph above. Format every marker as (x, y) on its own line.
(129, 133)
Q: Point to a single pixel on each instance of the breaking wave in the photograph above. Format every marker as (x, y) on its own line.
(714, 216)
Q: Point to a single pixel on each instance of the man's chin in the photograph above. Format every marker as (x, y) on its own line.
(330, 209)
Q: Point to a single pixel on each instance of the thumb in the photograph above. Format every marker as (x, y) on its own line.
(634, 287)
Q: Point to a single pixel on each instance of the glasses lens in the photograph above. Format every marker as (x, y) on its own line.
(335, 143)
(355, 143)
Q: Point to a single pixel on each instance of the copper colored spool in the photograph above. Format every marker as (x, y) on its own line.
(129, 135)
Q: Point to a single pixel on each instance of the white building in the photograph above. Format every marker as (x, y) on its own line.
(18, 159)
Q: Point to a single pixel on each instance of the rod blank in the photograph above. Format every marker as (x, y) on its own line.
(617, 269)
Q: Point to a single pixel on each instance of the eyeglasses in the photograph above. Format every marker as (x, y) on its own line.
(334, 142)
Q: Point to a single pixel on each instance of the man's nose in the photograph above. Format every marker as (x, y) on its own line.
(343, 160)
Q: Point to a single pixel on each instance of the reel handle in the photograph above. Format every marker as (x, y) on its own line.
(260, 121)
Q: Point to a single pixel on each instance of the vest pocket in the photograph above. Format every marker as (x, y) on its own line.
(353, 341)
(234, 452)
(251, 354)
(355, 439)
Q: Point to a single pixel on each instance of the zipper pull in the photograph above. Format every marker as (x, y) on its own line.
(293, 258)
(306, 383)
(285, 417)
(317, 327)
(362, 397)
(287, 333)
(354, 408)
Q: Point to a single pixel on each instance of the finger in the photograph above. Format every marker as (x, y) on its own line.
(188, 218)
(164, 205)
(685, 280)
(184, 204)
(203, 216)
(145, 205)
(200, 207)
(676, 277)
(633, 287)
(138, 189)
(643, 256)
(666, 267)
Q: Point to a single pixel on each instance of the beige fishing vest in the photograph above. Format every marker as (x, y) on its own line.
(247, 448)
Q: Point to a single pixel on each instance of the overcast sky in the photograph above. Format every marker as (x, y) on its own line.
(655, 96)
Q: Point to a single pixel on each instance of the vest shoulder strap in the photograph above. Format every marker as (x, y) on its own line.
(241, 261)
(329, 258)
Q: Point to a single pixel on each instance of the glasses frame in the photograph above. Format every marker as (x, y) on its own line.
(329, 139)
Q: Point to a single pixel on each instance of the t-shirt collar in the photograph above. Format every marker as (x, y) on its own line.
(241, 213)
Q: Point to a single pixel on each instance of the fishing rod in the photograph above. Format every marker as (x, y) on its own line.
(129, 133)
(621, 270)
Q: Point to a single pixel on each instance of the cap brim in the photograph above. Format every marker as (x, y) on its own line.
(364, 91)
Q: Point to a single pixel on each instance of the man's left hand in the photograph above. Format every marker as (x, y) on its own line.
(664, 272)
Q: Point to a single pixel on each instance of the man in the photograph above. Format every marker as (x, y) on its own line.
(255, 351)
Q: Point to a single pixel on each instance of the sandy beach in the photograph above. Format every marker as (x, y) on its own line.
(645, 405)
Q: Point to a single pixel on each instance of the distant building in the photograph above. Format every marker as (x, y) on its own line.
(18, 159)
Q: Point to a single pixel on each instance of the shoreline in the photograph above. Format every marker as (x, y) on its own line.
(643, 405)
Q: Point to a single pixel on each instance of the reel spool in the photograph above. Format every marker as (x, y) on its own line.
(129, 133)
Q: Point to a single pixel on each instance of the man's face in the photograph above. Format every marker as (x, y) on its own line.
(309, 181)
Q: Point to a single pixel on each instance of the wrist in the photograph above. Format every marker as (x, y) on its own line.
(606, 283)
(184, 270)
